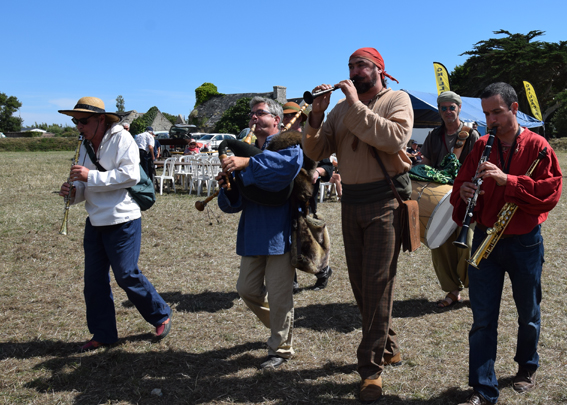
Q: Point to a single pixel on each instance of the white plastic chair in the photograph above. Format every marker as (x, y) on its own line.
(202, 173)
(326, 187)
(168, 174)
(183, 171)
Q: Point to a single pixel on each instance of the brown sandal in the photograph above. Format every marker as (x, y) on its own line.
(444, 303)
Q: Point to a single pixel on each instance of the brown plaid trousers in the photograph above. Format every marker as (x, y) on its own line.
(372, 238)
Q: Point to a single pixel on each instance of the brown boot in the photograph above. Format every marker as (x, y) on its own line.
(524, 380)
(395, 360)
(370, 390)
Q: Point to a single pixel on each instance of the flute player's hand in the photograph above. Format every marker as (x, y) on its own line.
(320, 104)
(347, 87)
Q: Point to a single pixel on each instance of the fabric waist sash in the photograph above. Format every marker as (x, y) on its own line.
(376, 191)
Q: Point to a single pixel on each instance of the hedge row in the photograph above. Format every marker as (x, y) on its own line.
(37, 144)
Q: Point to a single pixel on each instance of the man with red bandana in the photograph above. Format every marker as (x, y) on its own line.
(371, 118)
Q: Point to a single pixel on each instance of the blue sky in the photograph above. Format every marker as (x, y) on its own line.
(157, 53)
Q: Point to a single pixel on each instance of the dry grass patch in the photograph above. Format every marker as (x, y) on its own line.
(216, 343)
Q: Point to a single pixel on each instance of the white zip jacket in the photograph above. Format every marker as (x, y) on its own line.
(106, 199)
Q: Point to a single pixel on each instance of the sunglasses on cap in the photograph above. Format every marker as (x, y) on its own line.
(82, 121)
(451, 108)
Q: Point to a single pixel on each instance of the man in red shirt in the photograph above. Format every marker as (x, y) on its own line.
(519, 252)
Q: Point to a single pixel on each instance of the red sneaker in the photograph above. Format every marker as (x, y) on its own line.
(91, 345)
(163, 329)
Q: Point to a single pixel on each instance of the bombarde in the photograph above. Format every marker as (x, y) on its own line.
(461, 241)
(309, 97)
(63, 229)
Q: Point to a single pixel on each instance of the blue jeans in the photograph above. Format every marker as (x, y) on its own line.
(117, 246)
(522, 258)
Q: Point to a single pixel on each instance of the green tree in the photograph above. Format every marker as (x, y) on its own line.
(120, 104)
(171, 118)
(513, 59)
(8, 106)
(235, 118)
(204, 92)
(70, 131)
(559, 119)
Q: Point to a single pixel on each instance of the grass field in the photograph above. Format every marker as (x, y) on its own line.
(211, 354)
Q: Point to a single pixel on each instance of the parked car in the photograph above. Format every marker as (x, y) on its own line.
(161, 135)
(212, 141)
(182, 131)
(178, 138)
(197, 136)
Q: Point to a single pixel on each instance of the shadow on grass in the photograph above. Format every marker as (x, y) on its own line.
(207, 301)
(112, 375)
(227, 375)
(415, 308)
(345, 317)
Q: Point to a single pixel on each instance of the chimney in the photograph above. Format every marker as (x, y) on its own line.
(280, 94)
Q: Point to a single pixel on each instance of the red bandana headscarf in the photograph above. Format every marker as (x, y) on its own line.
(373, 56)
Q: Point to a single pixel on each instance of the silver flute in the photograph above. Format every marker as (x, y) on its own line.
(63, 229)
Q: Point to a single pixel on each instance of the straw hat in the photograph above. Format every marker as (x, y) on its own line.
(91, 105)
(293, 108)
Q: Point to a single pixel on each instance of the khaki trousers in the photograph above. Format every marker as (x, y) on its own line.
(450, 263)
(265, 284)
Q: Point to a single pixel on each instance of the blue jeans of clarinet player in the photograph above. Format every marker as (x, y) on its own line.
(117, 247)
(521, 257)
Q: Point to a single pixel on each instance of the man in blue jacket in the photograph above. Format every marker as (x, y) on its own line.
(265, 282)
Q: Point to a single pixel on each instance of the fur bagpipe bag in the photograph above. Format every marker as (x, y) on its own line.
(310, 242)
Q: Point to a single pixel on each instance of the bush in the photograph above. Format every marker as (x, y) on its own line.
(37, 144)
(205, 92)
(140, 124)
(171, 118)
(235, 118)
(31, 134)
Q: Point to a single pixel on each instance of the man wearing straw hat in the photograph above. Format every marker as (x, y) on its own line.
(113, 230)
(372, 121)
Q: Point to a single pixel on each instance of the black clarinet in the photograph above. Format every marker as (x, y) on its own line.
(461, 241)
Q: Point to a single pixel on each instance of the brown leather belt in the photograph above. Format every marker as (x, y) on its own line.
(484, 228)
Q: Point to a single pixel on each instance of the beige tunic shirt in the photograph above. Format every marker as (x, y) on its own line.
(386, 125)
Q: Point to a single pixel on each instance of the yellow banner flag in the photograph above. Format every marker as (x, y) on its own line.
(532, 99)
(441, 77)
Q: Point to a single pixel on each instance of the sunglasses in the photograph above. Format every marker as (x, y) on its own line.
(258, 113)
(82, 121)
(451, 108)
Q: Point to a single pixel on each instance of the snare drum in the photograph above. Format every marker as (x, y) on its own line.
(435, 212)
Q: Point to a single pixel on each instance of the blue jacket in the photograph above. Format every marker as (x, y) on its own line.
(264, 230)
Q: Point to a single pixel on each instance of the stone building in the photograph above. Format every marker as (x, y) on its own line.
(206, 115)
(160, 122)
